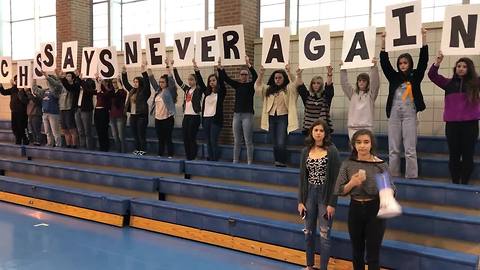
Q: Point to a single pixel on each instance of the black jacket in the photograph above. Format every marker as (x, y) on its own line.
(18, 99)
(143, 94)
(244, 92)
(415, 77)
(197, 93)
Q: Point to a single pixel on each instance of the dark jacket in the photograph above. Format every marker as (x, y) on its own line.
(88, 87)
(34, 106)
(415, 77)
(18, 99)
(244, 92)
(143, 94)
(333, 167)
(221, 92)
(197, 93)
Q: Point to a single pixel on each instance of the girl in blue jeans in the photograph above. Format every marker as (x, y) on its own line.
(212, 109)
(405, 100)
(279, 112)
(319, 166)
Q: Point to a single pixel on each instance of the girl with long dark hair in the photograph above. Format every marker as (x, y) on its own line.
(163, 109)
(279, 112)
(319, 165)
(357, 179)
(461, 114)
(405, 100)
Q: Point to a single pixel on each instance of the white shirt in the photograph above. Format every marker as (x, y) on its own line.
(161, 111)
(188, 103)
(210, 105)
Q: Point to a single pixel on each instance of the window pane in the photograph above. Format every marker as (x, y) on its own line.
(270, 24)
(47, 7)
(192, 19)
(23, 45)
(100, 22)
(271, 2)
(335, 9)
(48, 30)
(115, 24)
(357, 7)
(309, 12)
(140, 17)
(356, 22)
(293, 16)
(23, 9)
(272, 13)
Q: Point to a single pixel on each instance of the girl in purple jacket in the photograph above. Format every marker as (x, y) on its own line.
(461, 114)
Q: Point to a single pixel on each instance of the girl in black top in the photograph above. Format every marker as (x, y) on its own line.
(137, 106)
(319, 166)
(212, 109)
(243, 109)
(191, 114)
(18, 109)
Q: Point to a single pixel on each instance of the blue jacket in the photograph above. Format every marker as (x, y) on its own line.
(169, 96)
(49, 96)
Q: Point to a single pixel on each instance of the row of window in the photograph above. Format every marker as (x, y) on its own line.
(25, 24)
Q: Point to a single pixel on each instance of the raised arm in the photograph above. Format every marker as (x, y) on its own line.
(222, 73)
(152, 80)
(346, 86)
(179, 80)
(259, 81)
(436, 78)
(374, 80)
(125, 81)
(385, 61)
(423, 57)
(199, 79)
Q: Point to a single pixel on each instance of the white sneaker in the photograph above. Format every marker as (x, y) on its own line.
(136, 152)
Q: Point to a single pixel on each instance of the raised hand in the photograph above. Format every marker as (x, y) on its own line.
(439, 59)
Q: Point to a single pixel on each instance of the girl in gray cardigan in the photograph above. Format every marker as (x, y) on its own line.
(362, 98)
(319, 167)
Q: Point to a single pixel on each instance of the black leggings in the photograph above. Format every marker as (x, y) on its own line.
(138, 124)
(19, 127)
(366, 230)
(190, 126)
(164, 130)
(461, 138)
(102, 120)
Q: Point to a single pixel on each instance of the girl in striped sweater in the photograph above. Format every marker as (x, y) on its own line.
(317, 99)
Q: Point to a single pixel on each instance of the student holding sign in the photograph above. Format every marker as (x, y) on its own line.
(18, 110)
(405, 100)
(362, 98)
(279, 111)
(34, 113)
(118, 117)
(461, 114)
(317, 99)
(84, 113)
(212, 109)
(104, 93)
(50, 108)
(191, 115)
(243, 109)
(163, 109)
(67, 103)
(137, 106)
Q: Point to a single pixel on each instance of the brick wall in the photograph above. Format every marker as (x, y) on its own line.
(74, 22)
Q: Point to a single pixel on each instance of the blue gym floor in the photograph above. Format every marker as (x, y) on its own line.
(26, 242)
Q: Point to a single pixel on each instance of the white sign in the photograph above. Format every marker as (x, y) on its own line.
(183, 49)
(133, 51)
(89, 62)
(5, 69)
(358, 48)
(231, 45)
(461, 31)
(49, 56)
(403, 26)
(155, 50)
(275, 47)
(314, 47)
(206, 48)
(107, 62)
(69, 56)
(24, 74)
(37, 66)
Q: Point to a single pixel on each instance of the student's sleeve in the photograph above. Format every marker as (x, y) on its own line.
(125, 82)
(346, 86)
(179, 80)
(374, 82)
(386, 65)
